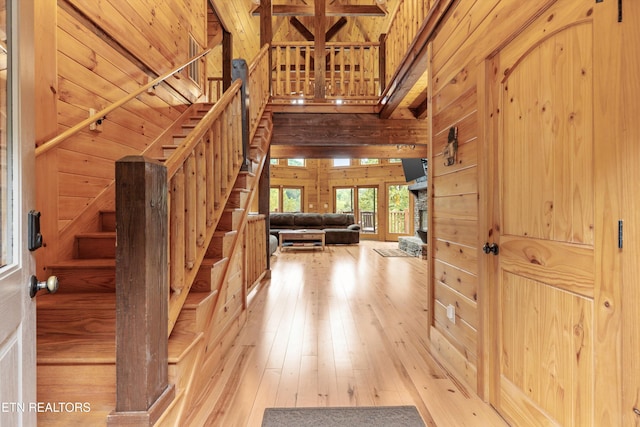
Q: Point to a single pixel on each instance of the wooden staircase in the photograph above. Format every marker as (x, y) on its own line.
(76, 326)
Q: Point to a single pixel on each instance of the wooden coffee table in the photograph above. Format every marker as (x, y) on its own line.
(301, 239)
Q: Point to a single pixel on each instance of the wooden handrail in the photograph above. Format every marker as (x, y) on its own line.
(48, 145)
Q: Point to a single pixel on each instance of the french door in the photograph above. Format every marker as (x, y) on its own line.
(363, 202)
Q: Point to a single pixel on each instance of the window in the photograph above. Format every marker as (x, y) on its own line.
(341, 163)
(285, 199)
(360, 201)
(398, 207)
(193, 69)
(395, 160)
(274, 161)
(369, 161)
(344, 200)
(295, 162)
(274, 199)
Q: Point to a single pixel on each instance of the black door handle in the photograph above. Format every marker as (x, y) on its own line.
(490, 248)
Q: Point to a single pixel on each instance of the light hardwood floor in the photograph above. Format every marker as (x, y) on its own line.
(343, 327)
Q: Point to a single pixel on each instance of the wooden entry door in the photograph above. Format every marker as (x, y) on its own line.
(17, 190)
(542, 89)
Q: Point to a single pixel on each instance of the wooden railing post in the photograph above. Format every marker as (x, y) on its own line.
(142, 293)
(263, 204)
(240, 70)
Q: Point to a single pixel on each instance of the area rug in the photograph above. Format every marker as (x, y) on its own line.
(365, 416)
(391, 252)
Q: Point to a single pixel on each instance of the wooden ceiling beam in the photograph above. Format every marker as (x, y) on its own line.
(336, 130)
(347, 152)
(331, 10)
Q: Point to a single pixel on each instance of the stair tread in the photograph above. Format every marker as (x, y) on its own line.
(194, 299)
(67, 349)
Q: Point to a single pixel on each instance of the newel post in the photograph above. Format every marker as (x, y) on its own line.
(142, 292)
(240, 70)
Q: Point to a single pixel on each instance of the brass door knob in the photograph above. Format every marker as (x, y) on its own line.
(51, 285)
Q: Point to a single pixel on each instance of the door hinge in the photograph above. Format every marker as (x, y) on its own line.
(620, 233)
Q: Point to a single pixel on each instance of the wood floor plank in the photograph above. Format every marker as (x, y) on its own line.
(340, 327)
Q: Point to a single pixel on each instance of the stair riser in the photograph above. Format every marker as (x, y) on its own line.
(220, 246)
(237, 199)
(108, 221)
(92, 248)
(194, 319)
(243, 180)
(85, 280)
(78, 323)
(231, 219)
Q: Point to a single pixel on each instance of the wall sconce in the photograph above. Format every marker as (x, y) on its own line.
(450, 152)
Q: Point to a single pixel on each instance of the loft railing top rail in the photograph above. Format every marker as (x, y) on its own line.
(327, 44)
(53, 142)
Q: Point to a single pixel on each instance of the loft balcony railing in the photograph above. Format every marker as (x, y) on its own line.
(404, 26)
(355, 72)
(352, 72)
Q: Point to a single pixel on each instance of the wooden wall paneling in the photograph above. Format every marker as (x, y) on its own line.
(113, 71)
(448, 92)
(462, 181)
(464, 106)
(466, 309)
(460, 282)
(467, 156)
(465, 258)
(90, 185)
(46, 82)
(85, 89)
(453, 358)
(136, 37)
(461, 335)
(460, 206)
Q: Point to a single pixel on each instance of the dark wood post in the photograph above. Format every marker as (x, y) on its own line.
(263, 203)
(266, 31)
(320, 58)
(142, 292)
(240, 70)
